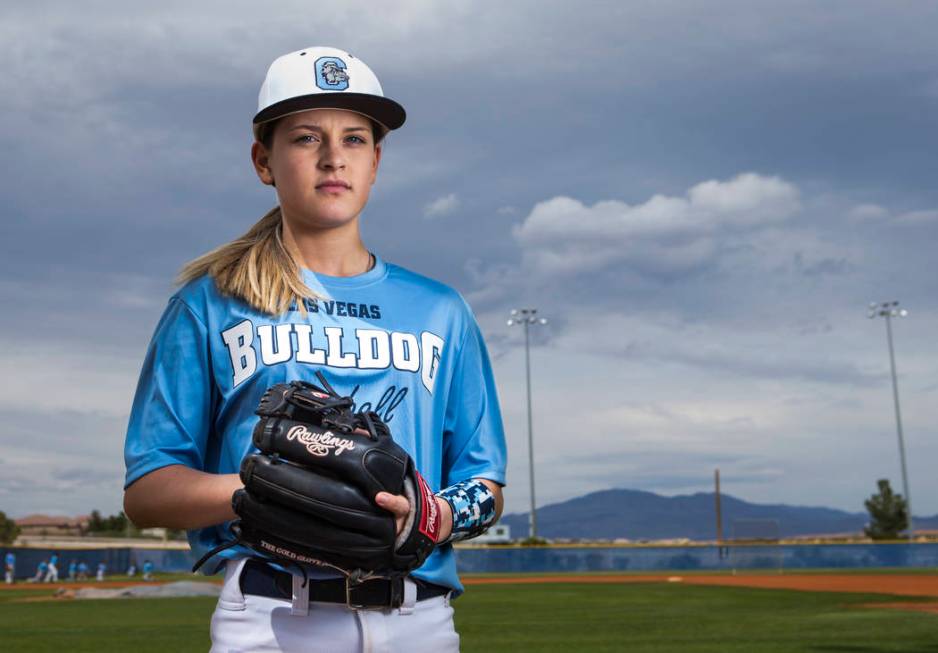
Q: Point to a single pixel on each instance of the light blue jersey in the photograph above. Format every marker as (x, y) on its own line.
(400, 344)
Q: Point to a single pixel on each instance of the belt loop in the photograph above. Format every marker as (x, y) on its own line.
(410, 596)
(300, 596)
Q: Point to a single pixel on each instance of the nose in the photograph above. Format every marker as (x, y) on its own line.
(331, 156)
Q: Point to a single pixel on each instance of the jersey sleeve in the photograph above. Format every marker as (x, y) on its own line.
(171, 415)
(473, 434)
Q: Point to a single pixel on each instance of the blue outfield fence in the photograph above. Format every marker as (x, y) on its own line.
(652, 558)
(558, 559)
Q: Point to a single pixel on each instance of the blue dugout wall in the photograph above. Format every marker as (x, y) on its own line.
(116, 559)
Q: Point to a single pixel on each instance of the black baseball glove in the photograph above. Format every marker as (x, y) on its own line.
(309, 494)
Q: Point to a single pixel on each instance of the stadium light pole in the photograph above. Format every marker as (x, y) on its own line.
(526, 317)
(890, 310)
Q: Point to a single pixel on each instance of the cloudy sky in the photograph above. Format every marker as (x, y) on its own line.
(701, 197)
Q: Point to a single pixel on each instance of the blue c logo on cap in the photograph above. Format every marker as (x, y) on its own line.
(330, 74)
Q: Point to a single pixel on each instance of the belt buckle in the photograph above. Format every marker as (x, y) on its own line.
(351, 583)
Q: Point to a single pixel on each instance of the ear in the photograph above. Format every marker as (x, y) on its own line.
(377, 161)
(261, 159)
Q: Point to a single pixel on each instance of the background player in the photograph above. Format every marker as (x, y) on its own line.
(41, 570)
(52, 571)
(9, 567)
(298, 293)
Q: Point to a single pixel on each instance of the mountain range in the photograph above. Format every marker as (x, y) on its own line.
(639, 515)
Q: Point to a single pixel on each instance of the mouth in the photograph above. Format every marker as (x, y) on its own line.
(333, 186)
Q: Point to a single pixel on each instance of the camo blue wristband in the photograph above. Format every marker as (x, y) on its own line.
(473, 505)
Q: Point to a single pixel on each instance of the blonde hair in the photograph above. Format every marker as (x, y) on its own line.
(256, 268)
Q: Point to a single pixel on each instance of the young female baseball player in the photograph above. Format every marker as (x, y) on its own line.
(300, 293)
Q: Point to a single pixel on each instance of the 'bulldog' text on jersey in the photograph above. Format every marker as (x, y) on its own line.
(304, 343)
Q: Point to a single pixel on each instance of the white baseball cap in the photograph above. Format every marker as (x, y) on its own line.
(324, 78)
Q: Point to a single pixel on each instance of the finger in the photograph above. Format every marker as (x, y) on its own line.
(394, 502)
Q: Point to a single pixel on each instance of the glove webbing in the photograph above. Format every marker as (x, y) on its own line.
(332, 412)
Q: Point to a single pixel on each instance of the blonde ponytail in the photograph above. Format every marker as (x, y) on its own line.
(256, 268)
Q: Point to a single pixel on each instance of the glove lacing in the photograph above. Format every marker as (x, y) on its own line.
(354, 576)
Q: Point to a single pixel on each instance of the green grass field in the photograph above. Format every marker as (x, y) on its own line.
(642, 617)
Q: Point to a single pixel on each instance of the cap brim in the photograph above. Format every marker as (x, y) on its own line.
(386, 112)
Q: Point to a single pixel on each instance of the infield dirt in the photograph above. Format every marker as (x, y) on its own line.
(895, 584)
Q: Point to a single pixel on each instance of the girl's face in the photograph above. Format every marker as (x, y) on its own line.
(322, 163)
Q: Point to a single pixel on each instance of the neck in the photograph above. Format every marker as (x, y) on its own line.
(336, 252)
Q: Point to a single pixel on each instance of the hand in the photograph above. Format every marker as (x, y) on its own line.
(400, 507)
(396, 504)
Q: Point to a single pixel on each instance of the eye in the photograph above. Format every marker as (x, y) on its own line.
(357, 140)
(306, 138)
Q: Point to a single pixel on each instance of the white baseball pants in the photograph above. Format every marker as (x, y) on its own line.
(243, 623)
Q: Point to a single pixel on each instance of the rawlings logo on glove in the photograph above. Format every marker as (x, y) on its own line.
(319, 444)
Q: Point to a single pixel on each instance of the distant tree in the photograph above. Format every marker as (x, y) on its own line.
(8, 529)
(889, 513)
(95, 523)
(115, 525)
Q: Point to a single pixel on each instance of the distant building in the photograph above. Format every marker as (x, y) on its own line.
(44, 525)
(497, 534)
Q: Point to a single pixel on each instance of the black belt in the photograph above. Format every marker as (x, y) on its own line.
(260, 579)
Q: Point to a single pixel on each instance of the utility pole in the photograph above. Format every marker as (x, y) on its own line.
(716, 481)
